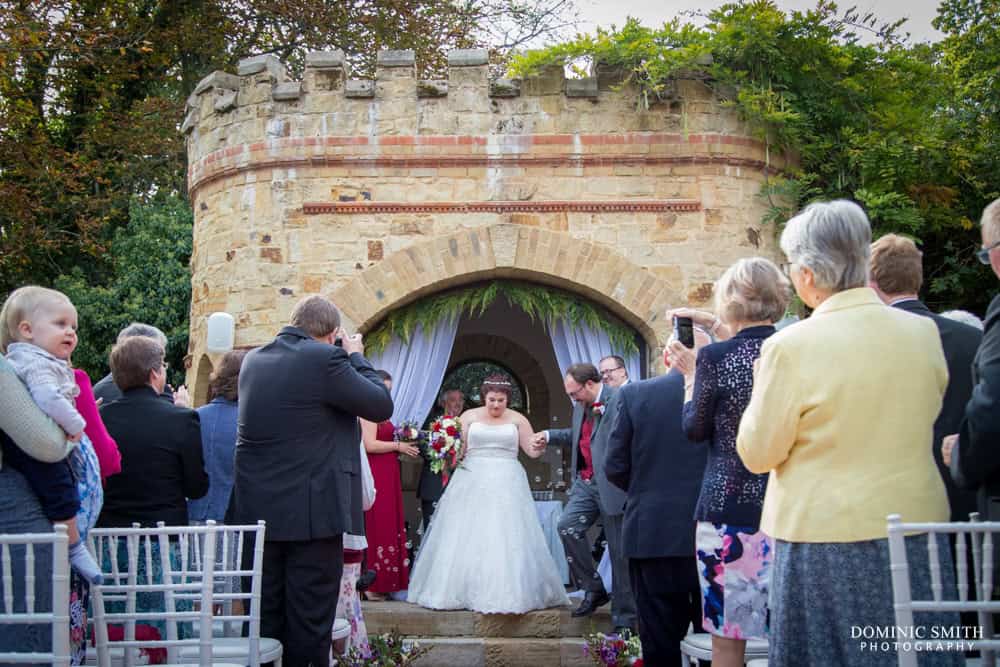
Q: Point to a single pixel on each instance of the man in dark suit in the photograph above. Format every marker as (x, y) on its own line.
(651, 459)
(107, 391)
(160, 443)
(430, 487)
(896, 276)
(974, 448)
(298, 467)
(592, 496)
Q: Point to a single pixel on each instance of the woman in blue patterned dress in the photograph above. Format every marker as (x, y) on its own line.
(734, 555)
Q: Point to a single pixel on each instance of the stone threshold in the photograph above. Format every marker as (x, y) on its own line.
(413, 621)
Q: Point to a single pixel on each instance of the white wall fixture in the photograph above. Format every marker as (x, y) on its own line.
(221, 333)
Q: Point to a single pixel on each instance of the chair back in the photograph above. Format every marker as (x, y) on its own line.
(20, 553)
(239, 556)
(973, 596)
(120, 551)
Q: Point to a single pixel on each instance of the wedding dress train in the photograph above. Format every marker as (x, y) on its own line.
(484, 549)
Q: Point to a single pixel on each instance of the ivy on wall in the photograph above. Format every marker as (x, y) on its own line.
(539, 302)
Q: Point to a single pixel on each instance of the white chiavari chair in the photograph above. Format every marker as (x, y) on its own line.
(20, 560)
(980, 601)
(235, 545)
(120, 552)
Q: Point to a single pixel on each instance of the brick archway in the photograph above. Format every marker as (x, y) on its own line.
(591, 270)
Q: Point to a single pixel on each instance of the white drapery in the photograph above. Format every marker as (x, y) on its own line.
(582, 343)
(417, 369)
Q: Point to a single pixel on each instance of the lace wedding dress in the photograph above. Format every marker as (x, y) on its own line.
(484, 549)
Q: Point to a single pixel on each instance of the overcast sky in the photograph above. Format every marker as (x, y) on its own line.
(918, 13)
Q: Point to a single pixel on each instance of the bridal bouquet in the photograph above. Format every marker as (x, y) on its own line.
(613, 650)
(445, 448)
(408, 431)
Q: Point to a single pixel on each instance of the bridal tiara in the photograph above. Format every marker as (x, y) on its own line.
(498, 383)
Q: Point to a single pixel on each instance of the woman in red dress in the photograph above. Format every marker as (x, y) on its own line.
(384, 528)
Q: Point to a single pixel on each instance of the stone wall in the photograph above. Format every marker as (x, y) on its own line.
(380, 191)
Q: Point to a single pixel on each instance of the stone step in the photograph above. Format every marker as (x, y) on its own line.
(414, 621)
(502, 652)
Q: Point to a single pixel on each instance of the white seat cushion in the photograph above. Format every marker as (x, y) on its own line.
(228, 648)
(341, 629)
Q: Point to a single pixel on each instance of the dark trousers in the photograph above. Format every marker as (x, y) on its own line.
(580, 513)
(667, 602)
(301, 581)
(53, 483)
(427, 507)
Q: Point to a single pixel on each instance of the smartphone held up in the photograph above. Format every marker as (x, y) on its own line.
(684, 328)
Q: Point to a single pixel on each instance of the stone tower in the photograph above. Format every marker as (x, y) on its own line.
(379, 192)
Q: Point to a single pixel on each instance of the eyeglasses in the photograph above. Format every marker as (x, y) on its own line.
(983, 254)
(575, 394)
(608, 371)
(786, 269)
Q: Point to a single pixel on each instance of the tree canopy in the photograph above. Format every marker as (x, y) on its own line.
(907, 130)
(92, 94)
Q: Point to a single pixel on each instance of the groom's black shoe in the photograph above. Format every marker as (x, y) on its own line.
(591, 601)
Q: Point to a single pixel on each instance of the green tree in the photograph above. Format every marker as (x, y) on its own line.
(900, 128)
(92, 93)
(149, 282)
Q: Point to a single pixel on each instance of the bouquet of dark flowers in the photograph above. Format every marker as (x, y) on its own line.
(445, 449)
(408, 431)
(385, 650)
(614, 650)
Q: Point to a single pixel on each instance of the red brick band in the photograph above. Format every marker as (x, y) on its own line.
(258, 156)
(550, 206)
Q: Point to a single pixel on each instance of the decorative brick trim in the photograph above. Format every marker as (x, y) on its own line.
(550, 206)
(705, 149)
(472, 162)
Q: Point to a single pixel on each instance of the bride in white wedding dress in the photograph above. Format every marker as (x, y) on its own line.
(484, 549)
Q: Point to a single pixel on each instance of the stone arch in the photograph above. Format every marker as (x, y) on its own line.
(202, 374)
(507, 250)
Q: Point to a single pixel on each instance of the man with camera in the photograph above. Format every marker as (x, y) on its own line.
(298, 467)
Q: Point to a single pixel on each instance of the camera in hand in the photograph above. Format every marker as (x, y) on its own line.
(339, 342)
(685, 331)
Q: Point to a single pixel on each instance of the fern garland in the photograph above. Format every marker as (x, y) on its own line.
(540, 303)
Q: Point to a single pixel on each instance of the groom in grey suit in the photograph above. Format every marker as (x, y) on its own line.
(591, 495)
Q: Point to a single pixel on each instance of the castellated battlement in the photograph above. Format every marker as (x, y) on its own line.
(260, 103)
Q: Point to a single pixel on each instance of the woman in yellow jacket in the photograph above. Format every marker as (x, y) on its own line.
(842, 416)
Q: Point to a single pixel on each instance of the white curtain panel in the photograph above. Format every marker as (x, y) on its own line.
(581, 343)
(417, 369)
